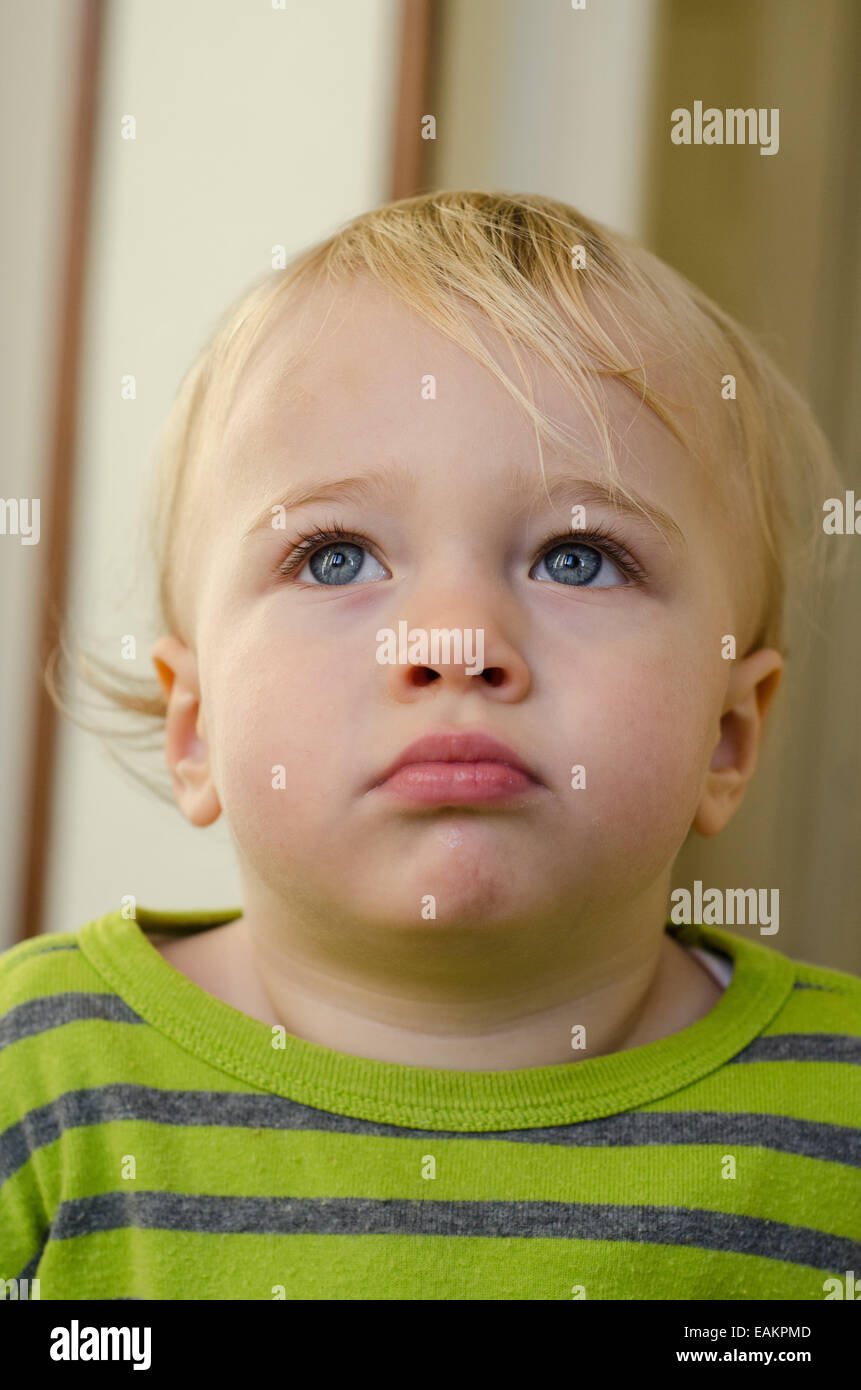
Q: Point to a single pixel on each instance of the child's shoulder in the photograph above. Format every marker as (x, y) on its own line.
(52, 998)
(39, 979)
(815, 998)
(832, 996)
(818, 1025)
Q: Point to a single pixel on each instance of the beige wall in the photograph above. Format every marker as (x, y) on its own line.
(539, 98)
(255, 127)
(776, 240)
(36, 101)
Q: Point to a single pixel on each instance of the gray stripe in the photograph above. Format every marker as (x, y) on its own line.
(236, 1110)
(33, 955)
(801, 984)
(803, 1047)
(47, 949)
(54, 1010)
(29, 1270)
(364, 1216)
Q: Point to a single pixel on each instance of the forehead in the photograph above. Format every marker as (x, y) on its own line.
(349, 378)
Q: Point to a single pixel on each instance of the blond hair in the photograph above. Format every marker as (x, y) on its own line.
(547, 279)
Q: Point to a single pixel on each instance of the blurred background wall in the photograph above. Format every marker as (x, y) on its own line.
(254, 127)
(258, 126)
(37, 97)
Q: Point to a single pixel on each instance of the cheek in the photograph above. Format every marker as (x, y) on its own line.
(648, 731)
(268, 711)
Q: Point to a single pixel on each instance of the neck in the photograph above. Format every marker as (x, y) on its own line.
(520, 1008)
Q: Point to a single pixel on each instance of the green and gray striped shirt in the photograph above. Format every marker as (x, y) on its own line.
(156, 1143)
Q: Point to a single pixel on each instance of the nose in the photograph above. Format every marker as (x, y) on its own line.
(445, 654)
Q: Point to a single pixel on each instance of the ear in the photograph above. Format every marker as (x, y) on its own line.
(186, 750)
(752, 684)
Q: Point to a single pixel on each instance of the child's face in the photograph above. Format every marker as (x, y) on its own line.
(625, 680)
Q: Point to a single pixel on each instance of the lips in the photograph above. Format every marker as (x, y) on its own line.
(458, 746)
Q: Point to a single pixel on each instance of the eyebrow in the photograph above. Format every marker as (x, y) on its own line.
(561, 487)
(365, 488)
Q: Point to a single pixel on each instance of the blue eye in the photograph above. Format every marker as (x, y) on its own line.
(576, 565)
(336, 557)
(338, 563)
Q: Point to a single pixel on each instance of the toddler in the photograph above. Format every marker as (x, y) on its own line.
(474, 528)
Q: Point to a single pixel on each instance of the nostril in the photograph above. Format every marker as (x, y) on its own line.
(421, 675)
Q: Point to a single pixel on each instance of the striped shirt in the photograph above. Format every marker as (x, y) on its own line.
(157, 1143)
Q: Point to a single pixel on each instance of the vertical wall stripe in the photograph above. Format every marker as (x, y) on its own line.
(418, 57)
(56, 506)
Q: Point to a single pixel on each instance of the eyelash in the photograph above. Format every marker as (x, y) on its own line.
(306, 545)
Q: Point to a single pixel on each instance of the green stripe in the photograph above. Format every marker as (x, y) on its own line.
(776, 1186)
(411, 1268)
(92, 1109)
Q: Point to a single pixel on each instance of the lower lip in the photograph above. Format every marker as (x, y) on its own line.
(458, 783)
